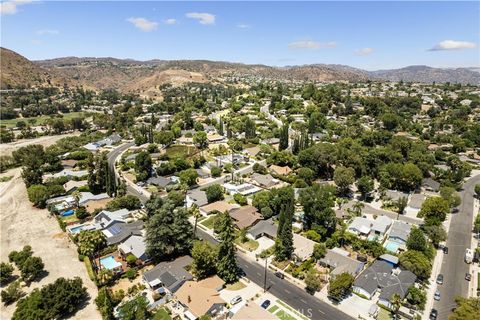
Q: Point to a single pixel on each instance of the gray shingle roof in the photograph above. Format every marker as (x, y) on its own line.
(264, 227)
(171, 273)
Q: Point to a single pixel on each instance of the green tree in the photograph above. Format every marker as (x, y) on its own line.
(200, 139)
(340, 286)
(283, 137)
(467, 309)
(104, 303)
(38, 195)
(250, 129)
(189, 177)
(226, 262)
(451, 196)
(129, 202)
(6, 271)
(436, 234)
(417, 240)
(416, 262)
(12, 293)
(477, 190)
(168, 232)
(135, 309)
(396, 302)
(417, 297)
(319, 250)
(90, 241)
(19, 257)
(214, 193)
(317, 202)
(204, 259)
(53, 301)
(401, 204)
(216, 172)
(240, 199)
(31, 268)
(365, 186)
(143, 166)
(313, 281)
(476, 225)
(434, 210)
(344, 178)
(284, 241)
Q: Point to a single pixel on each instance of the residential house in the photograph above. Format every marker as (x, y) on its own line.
(339, 262)
(250, 311)
(395, 195)
(383, 276)
(245, 189)
(117, 231)
(252, 152)
(169, 276)
(69, 164)
(201, 298)
(264, 180)
(72, 185)
(415, 203)
(197, 197)
(215, 138)
(397, 238)
(160, 181)
(303, 247)
(69, 173)
(135, 245)
(264, 228)
(218, 206)
(105, 218)
(430, 185)
(245, 217)
(281, 171)
(372, 229)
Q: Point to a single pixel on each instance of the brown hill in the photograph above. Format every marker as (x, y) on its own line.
(17, 71)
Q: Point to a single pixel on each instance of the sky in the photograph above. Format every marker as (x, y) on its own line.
(367, 35)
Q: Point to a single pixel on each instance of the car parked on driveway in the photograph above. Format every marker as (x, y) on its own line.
(440, 279)
(235, 300)
(265, 304)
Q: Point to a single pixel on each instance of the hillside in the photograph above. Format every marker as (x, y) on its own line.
(18, 71)
(146, 76)
(428, 75)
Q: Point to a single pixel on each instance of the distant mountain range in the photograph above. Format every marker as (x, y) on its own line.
(146, 76)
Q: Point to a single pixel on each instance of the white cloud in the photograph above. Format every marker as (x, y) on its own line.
(203, 18)
(47, 31)
(143, 24)
(10, 7)
(243, 26)
(309, 44)
(453, 45)
(363, 51)
(170, 21)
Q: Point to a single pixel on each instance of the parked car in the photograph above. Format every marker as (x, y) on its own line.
(440, 279)
(445, 250)
(437, 295)
(433, 314)
(468, 276)
(265, 304)
(279, 275)
(235, 300)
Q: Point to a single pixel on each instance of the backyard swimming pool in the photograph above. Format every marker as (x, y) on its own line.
(392, 246)
(109, 263)
(68, 213)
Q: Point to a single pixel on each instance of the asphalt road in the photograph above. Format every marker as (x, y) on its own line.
(453, 265)
(297, 298)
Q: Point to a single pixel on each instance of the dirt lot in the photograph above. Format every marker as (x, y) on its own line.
(8, 148)
(21, 224)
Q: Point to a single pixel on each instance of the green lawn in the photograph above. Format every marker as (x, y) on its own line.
(273, 309)
(282, 315)
(383, 314)
(180, 151)
(208, 222)
(235, 286)
(250, 245)
(38, 120)
(162, 314)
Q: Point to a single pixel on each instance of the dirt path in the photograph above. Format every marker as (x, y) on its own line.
(21, 224)
(8, 148)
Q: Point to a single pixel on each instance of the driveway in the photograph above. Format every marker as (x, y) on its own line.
(21, 225)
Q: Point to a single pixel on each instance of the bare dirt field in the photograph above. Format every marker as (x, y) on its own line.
(21, 225)
(6, 149)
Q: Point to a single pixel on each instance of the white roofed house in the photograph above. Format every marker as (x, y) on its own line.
(135, 245)
(373, 229)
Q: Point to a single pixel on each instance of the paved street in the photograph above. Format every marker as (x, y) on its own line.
(459, 238)
(297, 298)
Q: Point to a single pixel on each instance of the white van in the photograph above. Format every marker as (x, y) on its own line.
(468, 255)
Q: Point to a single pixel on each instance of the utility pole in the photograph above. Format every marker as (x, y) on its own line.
(265, 277)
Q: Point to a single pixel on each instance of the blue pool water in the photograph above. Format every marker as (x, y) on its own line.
(68, 213)
(392, 246)
(109, 263)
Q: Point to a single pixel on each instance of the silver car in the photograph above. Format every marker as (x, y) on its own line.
(437, 295)
(235, 300)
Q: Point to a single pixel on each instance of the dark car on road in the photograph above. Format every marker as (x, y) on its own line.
(468, 276)
(440, 279)
(265, 304)
(279, 275)
(433, 314)
(445, 250)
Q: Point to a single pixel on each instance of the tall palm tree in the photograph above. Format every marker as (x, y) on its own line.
(396, 302)
(401, 205)
(76, 196)
(196, 214)
(358, 207)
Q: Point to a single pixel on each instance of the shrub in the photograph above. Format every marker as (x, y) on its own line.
(131, 259)
(81, 213)
(216, 171)
(6, 270)
(240, 199)
(12, 293)
(131, 273)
